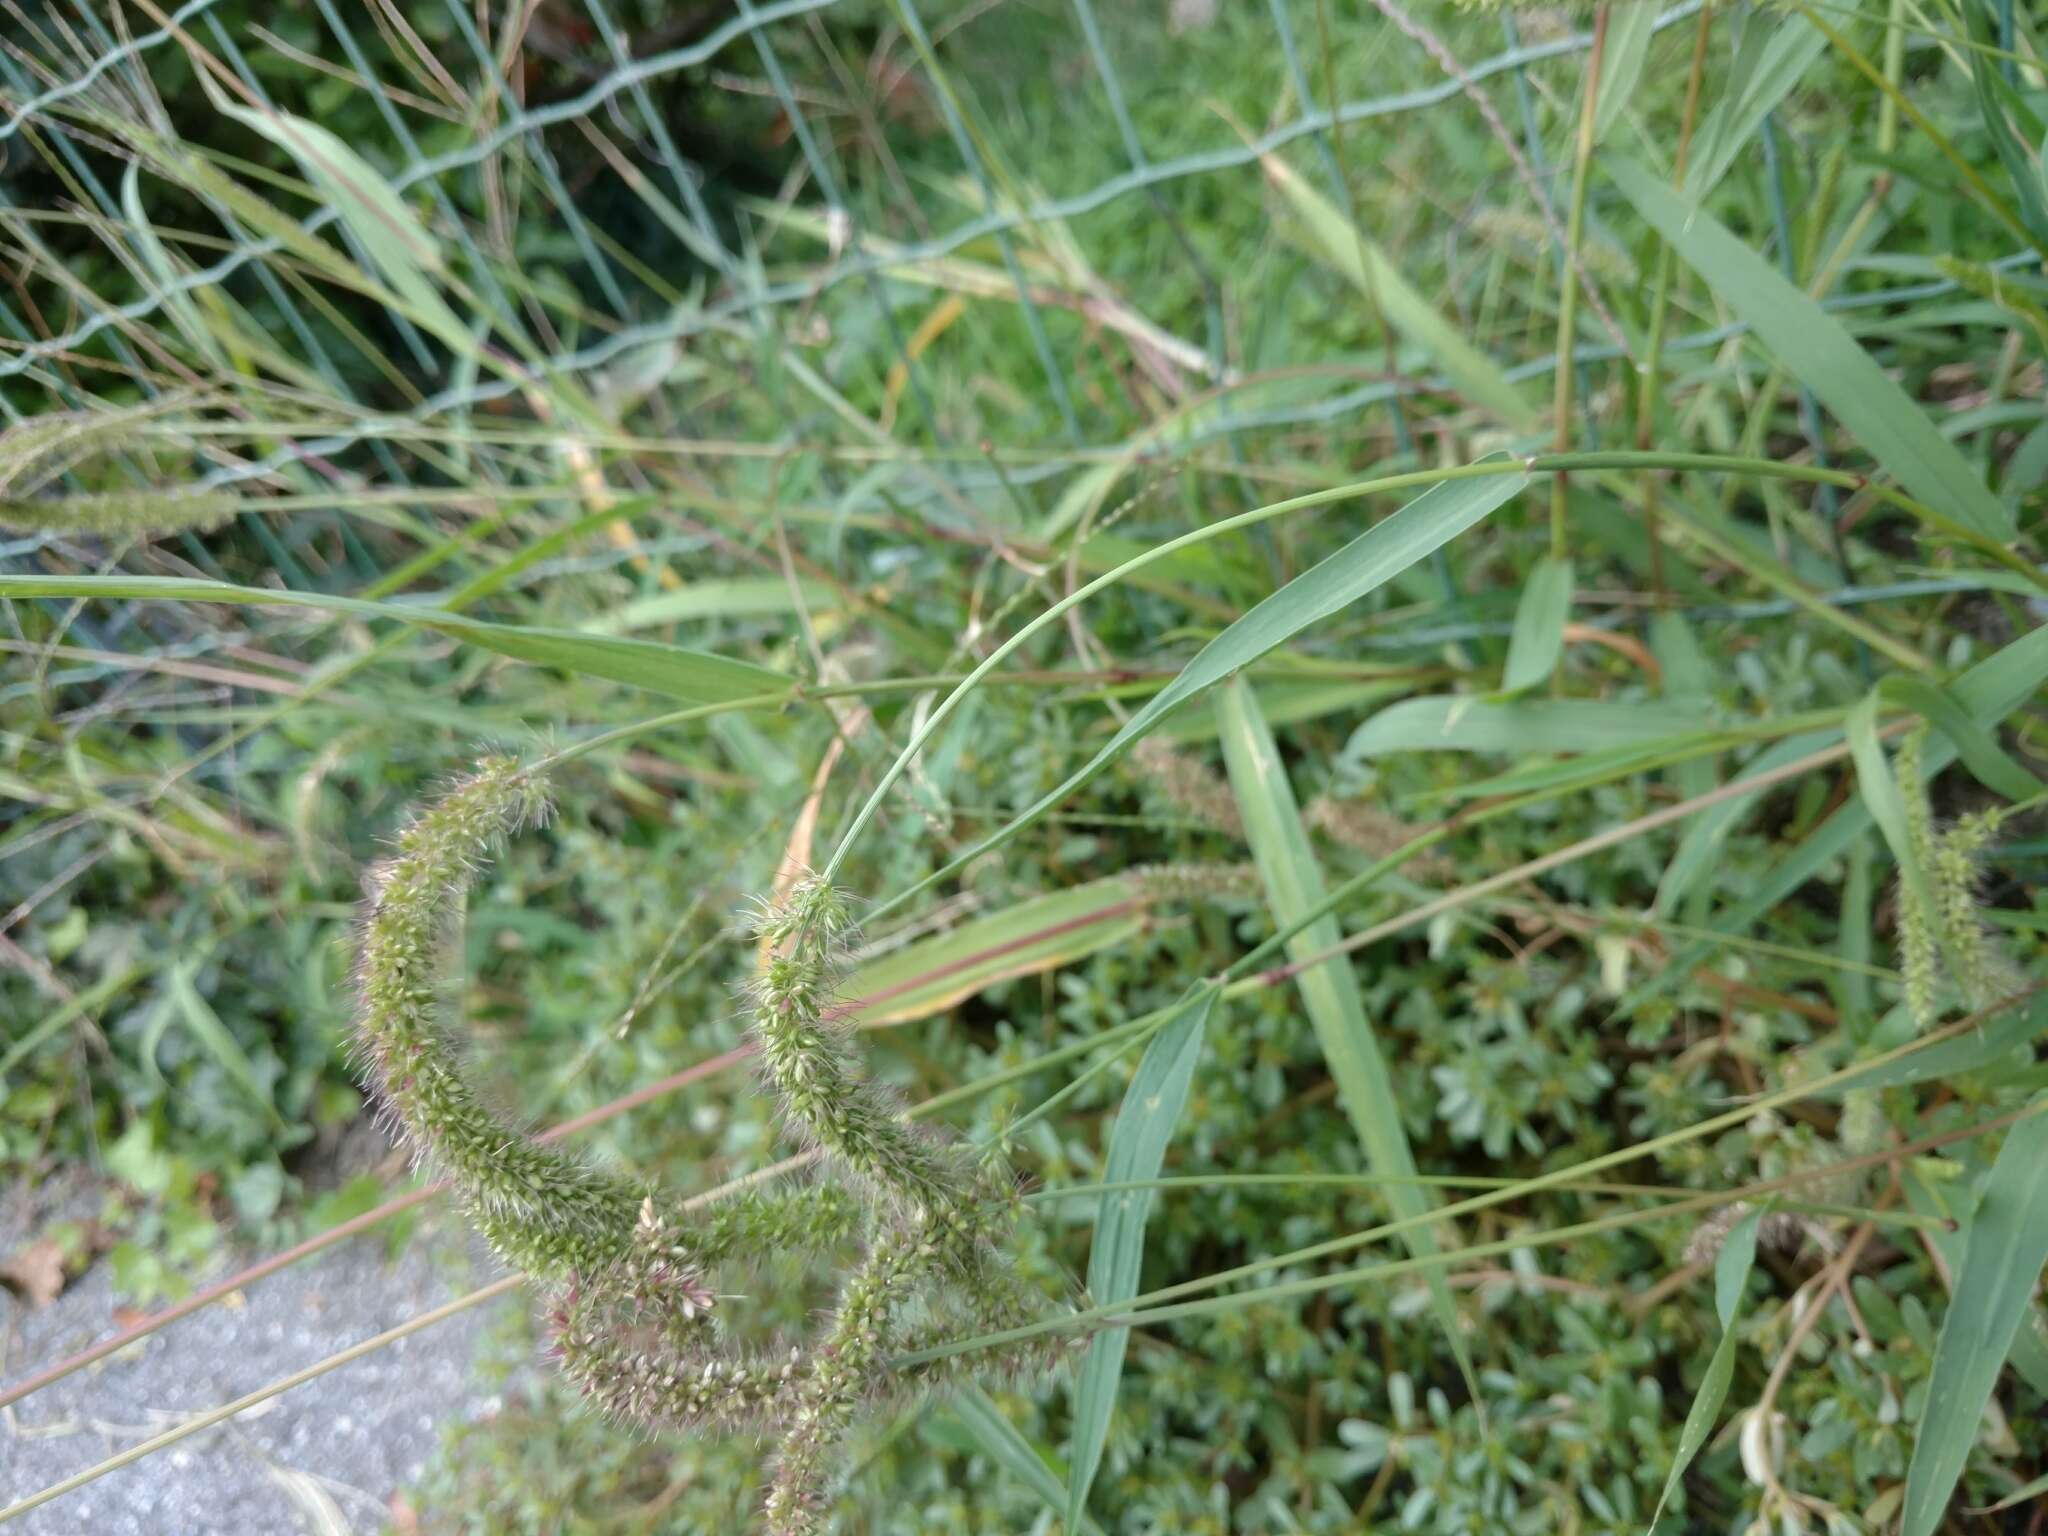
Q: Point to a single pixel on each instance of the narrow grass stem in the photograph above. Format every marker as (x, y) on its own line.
(1568, 281)
(1161, 1305)
(1651, 381)
(1669, 1192)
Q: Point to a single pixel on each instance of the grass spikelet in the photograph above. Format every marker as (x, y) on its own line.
(1196, 882)
(1983, 973)
(810, 1061)
(43, 449)
(1369, 830)
(1190, 787)
(540, 1209)
(1919, 934)
(114, 513)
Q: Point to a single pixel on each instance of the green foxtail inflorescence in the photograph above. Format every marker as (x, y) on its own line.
(1371, 831)
(636, 1317)
(808, 1057)
(110, 513)
(541, 1209)
(1982, 970)
(1919, 937)
(1946, 923)
(1189, 786)
(1196, 882)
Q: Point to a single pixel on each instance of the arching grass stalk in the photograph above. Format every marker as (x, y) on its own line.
(1554, 463)
(1164, 1304)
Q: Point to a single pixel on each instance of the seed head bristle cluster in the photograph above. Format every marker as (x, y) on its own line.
(1189, 786)
(110, 513)
(1369, 830)
(1781, 1231)
(1945, 920)
(810, 1062)
(1196, 882)
(1982, 969)
(627, 1283)
(539, 1208)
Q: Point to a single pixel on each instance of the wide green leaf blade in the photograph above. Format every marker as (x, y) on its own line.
(1152, 1107)
(1989, 763)
(1731, 1274)
(2029, 1355)
(2001, 1269)
(1368, 562)
(405, 256)
(1538, 638)
(1775, 54)
(1056, 929)
(1467, 723)
(1812, 346)
(737, 597)
(1336, 1008)
(695, 677)
(1000, 1440)
(1628, 46)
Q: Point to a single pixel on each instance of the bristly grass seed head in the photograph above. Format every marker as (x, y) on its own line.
(634, 1316)
(541, 1210)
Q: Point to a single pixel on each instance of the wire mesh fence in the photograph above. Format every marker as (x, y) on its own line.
(838, 264)
(76, 83)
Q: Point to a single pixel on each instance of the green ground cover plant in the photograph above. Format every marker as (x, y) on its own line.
(1227, 768)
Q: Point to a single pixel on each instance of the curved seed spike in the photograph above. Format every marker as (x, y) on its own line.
(812, 1065)
(539, 1208)
(635, 1321)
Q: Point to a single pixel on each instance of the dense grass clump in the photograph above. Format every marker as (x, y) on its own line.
(1416, 634)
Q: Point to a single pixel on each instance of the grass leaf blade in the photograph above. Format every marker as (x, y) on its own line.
(1731, 1273)
(406, 257)
(2001, 1268)
(1339, 244)
(1816, 350)
(1538, 638)
(1330, 992)
(1002, 1442)
(1465, 723)
(1774, 56)
(1364, 565)
(213, 1035)
(1628, 46)
(1152, 1107)
(1036, 935)
(696, 677)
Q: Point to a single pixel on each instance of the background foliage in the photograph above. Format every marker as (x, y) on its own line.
(842, 340)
